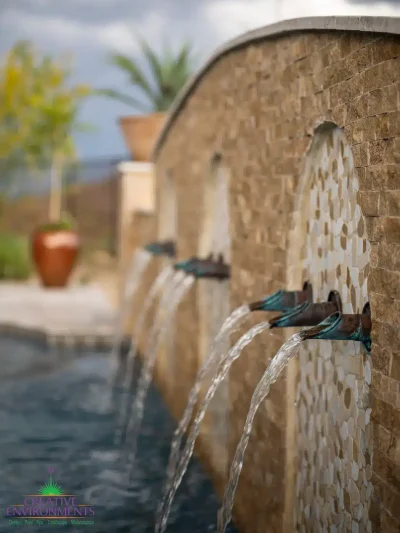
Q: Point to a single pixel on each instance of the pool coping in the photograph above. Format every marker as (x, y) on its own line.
(53, 339)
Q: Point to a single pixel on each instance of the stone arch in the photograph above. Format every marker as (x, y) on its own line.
(330, 435)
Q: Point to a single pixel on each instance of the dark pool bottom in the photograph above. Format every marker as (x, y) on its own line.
(54, 415)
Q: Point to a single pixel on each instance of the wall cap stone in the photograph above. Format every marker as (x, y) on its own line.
(127, 167)
(389, 25)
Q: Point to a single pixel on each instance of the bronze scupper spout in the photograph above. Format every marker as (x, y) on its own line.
(166, 248)
(284, 300)
(339, 326)
(205, 268)
(308, 314)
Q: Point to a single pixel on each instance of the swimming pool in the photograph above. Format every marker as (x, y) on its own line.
(56, 424)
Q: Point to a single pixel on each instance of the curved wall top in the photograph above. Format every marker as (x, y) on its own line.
(390, 25)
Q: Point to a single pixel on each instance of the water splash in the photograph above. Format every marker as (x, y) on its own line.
(286, 352)
(231, 324)
(223, 369)
(105, 492)
(161, 326)
(124, 408)
(105, 455)
(140, 261)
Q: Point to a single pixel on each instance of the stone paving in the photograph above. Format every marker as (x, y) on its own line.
(77, 314)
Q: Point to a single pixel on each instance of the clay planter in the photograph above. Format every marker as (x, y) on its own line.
(140, 133)
(54, 254)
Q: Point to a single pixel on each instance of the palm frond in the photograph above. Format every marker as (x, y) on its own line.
(134, 72)
(169, 73)
(152, 59)
(124, 98)
(182, 61)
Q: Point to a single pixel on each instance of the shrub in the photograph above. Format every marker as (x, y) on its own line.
(15, 262)
(66, 223)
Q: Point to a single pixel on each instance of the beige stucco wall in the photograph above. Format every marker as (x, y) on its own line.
(136, 223)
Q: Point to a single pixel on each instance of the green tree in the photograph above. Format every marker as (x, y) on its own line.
(39, 115)
(16, 87)
(168, 74)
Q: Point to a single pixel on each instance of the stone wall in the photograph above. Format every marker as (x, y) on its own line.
(259, 107)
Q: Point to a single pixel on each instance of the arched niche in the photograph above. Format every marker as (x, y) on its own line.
(215, 228)
(329, 430)
(167, 220)
(214, 306)
(167, 230)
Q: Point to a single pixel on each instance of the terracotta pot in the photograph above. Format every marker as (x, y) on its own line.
(54, 255)
(141, 132)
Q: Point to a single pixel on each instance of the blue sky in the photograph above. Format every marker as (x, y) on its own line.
(90, 29)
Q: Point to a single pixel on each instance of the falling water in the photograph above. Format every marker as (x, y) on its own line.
(278, 363)
(231, 324)
(140, 260)
(163, 306)
(159, 329)
(223, 369)
(124, 409)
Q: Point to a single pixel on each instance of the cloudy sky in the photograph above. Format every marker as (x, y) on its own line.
(91, 29)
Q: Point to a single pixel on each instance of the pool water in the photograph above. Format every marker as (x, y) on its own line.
(55, 420)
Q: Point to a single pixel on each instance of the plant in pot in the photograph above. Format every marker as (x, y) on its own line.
(55, 248)
(44, 106)
(169, 72)
(56, 244)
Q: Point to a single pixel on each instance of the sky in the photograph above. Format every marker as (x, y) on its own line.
(89, 30)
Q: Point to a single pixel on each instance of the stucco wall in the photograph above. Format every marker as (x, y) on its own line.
(259, 107)
(141, 231)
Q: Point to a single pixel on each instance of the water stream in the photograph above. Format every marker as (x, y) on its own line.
(163, 306)
(182, 463)
(123, 410)
(287, 351)
(161, 325)
(140, 261)
(231, 324)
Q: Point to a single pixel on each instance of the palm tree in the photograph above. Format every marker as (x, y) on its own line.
(169, 73)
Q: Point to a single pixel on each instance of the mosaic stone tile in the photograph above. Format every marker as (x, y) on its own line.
(335, 257)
